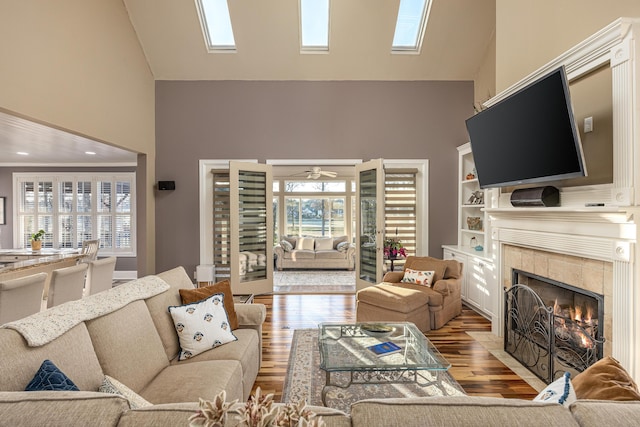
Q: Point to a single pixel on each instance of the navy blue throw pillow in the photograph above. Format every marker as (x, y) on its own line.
(49, 377)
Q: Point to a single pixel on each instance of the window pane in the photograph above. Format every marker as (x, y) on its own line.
(84, 196)
(123, 197)
(276, 225)
(409, 26)
(123, 231)
(104, 231)
(65, 197)
(293, 215)
(218, 23)
(65, 231)
(104, 196)
(45, 197)
(28, 228)
(314, 24)
(83, 229)
(315, 186)
(45, 222)
(27, 199)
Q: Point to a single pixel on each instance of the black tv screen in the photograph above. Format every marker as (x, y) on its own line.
(528, 137)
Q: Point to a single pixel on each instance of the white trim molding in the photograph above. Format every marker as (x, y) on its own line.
(608, 233)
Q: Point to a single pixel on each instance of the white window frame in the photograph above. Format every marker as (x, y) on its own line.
(57, 177)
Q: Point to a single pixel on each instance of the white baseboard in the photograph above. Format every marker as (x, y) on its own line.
(125, 275)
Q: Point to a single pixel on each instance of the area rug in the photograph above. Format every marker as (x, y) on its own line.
(304, 379)
(314, 281)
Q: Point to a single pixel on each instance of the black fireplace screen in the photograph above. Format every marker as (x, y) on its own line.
(552, 327)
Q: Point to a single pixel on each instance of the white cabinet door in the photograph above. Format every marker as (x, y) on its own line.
(475, 282)
(448, 254)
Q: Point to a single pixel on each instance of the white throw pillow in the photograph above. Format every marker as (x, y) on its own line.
(418, 277)
(113, 386)
(306, 243)
(324, 244)
(201, 326)
(560, 391)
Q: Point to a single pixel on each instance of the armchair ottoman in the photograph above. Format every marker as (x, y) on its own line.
(397, 300)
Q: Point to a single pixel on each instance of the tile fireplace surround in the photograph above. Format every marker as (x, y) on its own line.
(588, 247)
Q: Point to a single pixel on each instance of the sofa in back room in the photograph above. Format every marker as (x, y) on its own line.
(315, 253)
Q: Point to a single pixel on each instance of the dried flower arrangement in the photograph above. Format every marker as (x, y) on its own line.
(259, 411)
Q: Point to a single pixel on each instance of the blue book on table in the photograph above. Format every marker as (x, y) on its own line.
(385, 348)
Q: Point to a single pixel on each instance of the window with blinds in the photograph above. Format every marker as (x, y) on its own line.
(400, 207)
(221, 224)
(74, 207)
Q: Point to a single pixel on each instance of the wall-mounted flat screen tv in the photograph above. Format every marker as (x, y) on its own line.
(528, 137)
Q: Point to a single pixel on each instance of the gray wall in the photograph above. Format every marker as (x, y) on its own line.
(302, 120)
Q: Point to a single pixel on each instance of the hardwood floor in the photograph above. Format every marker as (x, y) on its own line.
(477, 370)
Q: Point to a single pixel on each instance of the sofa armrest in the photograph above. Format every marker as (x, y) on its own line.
(448, 286)
(61, 408)
(251, 315)
(393, 276)
(279, 251)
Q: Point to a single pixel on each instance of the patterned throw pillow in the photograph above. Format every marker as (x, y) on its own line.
(418, 277)
(223, 287)
(49, 377)
(288, 247)
(560, 391)
(343, 246)
(338, 240)
(113, 386)
(201, 326)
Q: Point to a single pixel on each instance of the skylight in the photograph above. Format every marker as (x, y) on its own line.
(412, 20)
(216, 25)
(314, 25)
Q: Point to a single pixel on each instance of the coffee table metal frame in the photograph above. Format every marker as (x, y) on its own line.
(343, 348)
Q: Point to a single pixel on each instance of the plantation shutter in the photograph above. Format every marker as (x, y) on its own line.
(400, 207)
(221, 225)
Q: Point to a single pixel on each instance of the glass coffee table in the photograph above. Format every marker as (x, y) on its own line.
(353, 349)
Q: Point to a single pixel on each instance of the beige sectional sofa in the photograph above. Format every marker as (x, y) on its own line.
(138, 346)
(315, 253)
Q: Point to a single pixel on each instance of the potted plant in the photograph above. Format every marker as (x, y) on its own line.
(393, 248)
(36, 240)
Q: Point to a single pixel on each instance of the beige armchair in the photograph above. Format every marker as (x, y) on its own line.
(430, 307)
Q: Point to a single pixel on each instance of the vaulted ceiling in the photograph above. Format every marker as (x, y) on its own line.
(457, 37)
(266, 32)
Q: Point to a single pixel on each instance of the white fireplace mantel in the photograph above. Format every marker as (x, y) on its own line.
(608, 233)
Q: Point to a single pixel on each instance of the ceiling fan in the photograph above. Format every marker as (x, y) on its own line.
(316, 172)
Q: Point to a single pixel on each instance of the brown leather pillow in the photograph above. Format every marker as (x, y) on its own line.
(605, 380)
(224, 287)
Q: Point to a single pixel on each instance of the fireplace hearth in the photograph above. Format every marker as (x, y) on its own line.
(552, 327)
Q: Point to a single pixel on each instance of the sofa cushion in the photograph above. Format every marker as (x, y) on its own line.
(50, 377)
(300, 254)
(20, 362)
(246, 350)
(177, 278)
(187, 382)
(201, 326)
(113, 386)
(128, 346)
(198, 294)
(306, 243)
(605, 380)
(331, 254)
(61, 408)
(458, 411)
(393, 298)
(606, 413)
(323, 244)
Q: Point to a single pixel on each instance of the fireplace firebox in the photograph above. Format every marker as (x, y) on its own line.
(552, 327)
